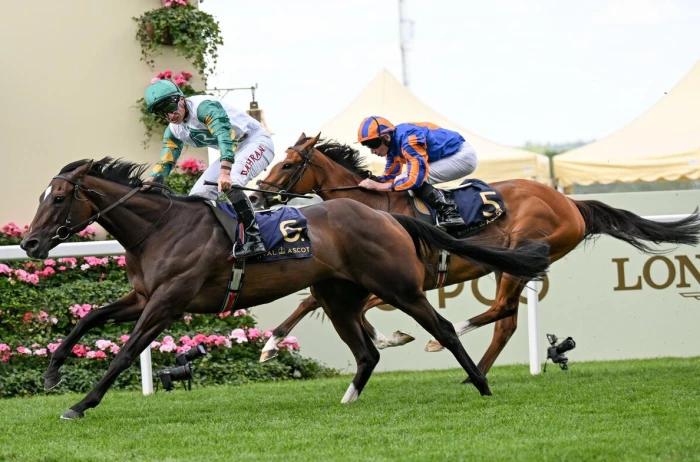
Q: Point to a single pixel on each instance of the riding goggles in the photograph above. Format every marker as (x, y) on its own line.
(167, 105)
(373, 143)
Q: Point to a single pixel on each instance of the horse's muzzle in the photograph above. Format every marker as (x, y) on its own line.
(34, 248)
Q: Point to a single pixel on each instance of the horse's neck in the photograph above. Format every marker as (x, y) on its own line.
(338, 177)
(130, 221)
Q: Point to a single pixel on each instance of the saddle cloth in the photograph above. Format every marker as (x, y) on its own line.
(284, 230)
(477, 203)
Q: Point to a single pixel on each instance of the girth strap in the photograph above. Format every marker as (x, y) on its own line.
(233, 289)
(443, 263)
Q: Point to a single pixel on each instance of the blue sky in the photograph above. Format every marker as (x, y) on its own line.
(512, 71)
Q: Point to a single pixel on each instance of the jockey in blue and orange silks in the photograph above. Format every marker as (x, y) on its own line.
(431, 155)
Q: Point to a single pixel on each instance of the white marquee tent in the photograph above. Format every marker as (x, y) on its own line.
(662, 144)
(387, 97)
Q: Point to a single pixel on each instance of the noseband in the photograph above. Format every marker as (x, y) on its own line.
(297, 175)
(66, 230)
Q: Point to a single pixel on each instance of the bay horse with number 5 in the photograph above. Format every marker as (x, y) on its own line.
(534, 211)
(176, 262)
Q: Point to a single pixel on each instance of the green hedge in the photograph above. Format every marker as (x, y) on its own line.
(41, 301)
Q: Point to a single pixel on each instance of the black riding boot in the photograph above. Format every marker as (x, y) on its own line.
(253, 244)
(447, 214)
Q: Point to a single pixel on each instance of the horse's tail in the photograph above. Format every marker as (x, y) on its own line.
(529, 260)
(633, 229)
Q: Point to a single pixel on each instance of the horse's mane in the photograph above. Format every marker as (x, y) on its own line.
(345, 156)
(117, 170)
(123, 172)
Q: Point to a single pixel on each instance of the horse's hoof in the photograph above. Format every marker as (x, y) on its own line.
(51, 381)
(402, 338)
(268, 355)
(432, 346)
(70, 414)
(486, 391)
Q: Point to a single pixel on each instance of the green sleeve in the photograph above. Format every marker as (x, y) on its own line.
(172, 147)
(213, 115)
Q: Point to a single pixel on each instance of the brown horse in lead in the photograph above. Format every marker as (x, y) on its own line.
(534, 211)
(176, 256)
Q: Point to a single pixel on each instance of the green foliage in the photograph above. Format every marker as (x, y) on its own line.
(181, 183)
(193, 33)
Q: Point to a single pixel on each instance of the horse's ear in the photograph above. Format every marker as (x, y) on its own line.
(301, 139)
(80, 172)
(315, 139)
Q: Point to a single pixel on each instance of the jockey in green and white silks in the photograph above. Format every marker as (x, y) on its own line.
(203, 121)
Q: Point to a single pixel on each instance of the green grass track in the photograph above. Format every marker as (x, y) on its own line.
(623, 410)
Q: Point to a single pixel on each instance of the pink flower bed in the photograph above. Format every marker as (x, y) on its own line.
(105, 349)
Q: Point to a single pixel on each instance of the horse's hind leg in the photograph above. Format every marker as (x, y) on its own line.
(270, 349)
(380, 340)
(343, 303)
(125, 309)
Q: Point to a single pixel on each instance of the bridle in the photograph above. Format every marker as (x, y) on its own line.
(66, 230)
(297, 175)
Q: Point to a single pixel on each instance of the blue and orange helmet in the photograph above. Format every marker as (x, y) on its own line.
(373, 127)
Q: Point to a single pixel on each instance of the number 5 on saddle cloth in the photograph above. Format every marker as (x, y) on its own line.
(477, 203)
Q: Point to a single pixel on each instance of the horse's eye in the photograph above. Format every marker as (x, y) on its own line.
(286, 166)
(58, 199)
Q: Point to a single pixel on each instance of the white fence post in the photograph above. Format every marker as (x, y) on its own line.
(533, 327)
(146, 372)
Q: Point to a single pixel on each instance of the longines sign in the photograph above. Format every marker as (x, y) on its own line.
(658, 272)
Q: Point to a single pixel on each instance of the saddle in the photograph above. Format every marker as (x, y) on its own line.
(477, 203)
(284, 230)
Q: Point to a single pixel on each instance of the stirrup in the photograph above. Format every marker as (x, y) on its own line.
(250, 248)
(449, 220)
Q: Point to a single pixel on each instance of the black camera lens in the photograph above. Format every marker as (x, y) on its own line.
(566, 345)
(181, 372)
(191, 354)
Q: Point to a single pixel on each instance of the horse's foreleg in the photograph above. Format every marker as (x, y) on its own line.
(380, 340)
(502, 332)
(505, 304)
(155, 318)
(420, 309)
(125, 309)
(270, 349)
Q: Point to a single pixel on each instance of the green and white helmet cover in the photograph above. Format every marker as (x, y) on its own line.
(160, 90)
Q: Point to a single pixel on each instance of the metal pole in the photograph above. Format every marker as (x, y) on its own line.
(533, 327)
(404, 31)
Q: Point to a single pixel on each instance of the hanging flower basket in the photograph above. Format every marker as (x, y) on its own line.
(193, 33)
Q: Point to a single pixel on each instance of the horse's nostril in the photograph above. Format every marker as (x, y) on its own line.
(29, 244)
